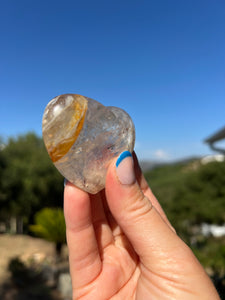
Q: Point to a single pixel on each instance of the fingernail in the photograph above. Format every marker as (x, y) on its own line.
(125, 168)
(65, 181)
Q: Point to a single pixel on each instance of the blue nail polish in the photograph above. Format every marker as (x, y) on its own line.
(122, 156)
(65, 181)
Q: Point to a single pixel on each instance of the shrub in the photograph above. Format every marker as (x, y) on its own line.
(50, 225)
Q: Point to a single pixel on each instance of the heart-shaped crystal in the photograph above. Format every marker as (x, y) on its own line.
(82, 136)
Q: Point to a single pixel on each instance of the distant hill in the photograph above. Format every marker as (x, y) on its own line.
(189, 189)
(148, 165)
(192, 193)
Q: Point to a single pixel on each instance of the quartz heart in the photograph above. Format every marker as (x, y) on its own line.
(82, 136)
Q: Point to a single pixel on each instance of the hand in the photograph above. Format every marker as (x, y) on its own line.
(122, 246)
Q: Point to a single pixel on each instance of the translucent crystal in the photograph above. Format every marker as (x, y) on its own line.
(82, 136)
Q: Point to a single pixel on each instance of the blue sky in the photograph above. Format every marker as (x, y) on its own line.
(162, 61)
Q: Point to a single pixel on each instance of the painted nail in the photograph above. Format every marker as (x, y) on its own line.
(125, 168)
(65, 181)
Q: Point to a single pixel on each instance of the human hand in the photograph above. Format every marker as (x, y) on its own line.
(122, 246)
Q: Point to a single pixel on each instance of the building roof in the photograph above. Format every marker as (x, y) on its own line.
(217, 136)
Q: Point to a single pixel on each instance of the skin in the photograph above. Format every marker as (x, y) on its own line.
(122, 246)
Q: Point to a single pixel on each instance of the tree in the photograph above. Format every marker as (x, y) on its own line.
(29, 179)
(192, 193)
(201, 198)
(50, 225)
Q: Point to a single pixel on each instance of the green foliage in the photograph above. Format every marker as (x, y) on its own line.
(211, 253)
(29, 180)
(202, 196)
(164, 181)
(192, 193)
(50, 225)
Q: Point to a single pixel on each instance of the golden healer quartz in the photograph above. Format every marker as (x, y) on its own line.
(82, 136)
(66, 114)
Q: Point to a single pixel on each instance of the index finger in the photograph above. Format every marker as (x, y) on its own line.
(85, 261)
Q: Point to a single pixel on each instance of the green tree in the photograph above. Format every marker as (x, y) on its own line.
(190, 193)
(201, 198)
(29, 179)
(3, 197)
(50, 225)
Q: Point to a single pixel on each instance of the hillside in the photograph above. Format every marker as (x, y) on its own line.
(192, 194)
(190, 191)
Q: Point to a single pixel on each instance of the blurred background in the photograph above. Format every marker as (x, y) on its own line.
(161, 61)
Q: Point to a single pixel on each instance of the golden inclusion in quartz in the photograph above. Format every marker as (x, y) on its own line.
(66, 121)
(82, 136)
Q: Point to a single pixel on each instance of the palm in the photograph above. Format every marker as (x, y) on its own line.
(103, 263)
(118, 277)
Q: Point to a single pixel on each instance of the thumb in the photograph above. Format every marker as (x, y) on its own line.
(162, 254)
(151, 237)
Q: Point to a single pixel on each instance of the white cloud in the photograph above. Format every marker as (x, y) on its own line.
(145, 152)
(161, 154)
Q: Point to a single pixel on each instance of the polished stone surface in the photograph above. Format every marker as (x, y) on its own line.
(82, 136)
